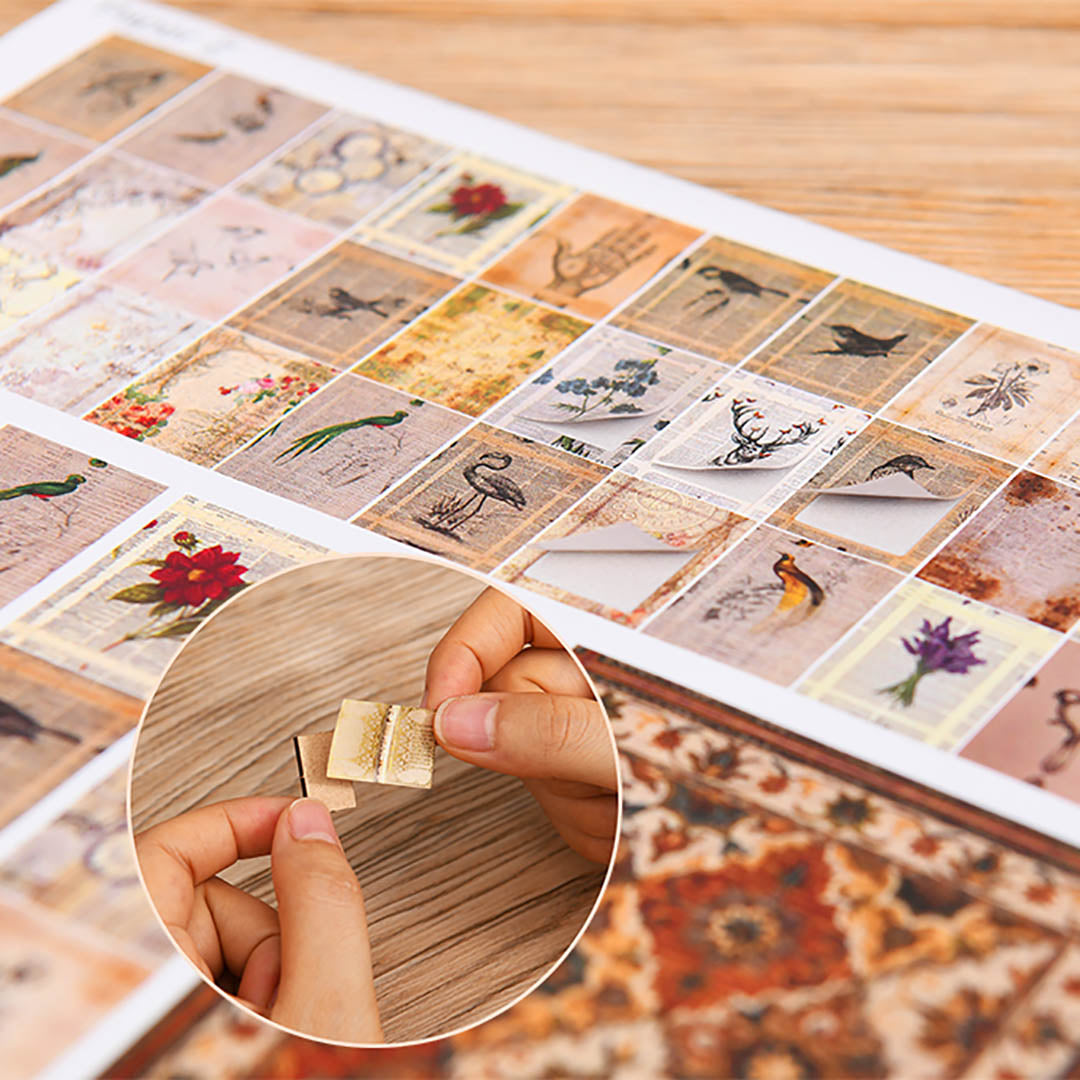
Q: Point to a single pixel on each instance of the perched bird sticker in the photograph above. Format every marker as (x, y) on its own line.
(20, 725)
(801, 598)
(852, 342)
(908, 464)
(344, 304)
(44, 489)
(730, 283)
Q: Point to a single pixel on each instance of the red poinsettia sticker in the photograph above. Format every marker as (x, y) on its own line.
(187, 586)
(194, 579)
(475, 206)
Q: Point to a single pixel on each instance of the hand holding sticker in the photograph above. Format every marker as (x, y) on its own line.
(509, 697)
(307, 965)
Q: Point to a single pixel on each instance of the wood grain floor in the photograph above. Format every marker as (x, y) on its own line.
(470, 893)
(947, 129)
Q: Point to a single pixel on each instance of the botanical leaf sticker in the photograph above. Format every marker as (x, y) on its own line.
(143, 593)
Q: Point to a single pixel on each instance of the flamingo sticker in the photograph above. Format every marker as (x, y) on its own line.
(450, 512)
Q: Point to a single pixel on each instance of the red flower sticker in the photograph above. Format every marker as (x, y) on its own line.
(477, 199)
(475, 206)
(194, 579)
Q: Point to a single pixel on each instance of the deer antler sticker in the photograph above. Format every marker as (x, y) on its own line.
(752, 440)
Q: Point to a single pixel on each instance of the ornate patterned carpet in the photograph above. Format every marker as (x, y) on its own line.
(777, 910)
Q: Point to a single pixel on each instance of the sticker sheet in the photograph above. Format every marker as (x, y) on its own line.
(255, 309)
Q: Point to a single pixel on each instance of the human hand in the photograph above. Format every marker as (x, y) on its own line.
(508, 697)
(307, 965)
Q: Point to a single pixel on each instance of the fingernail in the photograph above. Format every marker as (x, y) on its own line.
(467, 723)
(310, 820)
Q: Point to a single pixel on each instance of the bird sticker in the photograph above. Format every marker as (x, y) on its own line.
(44, 489)
(802, 596)
(852, 342)
(122, 89)
(892, 479)
(313, 441)
(10, 162)
(908, 464)
(344, 305)
(449, 513)
(17, 724)
(731, 283)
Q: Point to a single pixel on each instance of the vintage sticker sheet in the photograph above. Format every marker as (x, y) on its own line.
(255, 309)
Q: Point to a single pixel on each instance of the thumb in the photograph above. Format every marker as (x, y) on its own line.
(326, 988)
(535, 736)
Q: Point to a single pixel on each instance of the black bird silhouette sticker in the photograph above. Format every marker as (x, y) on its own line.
(852, 342)
(343, 305)
(905, 463)
(20, 725)
(732, 283)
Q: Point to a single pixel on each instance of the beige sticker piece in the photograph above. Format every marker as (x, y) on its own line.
(312, 756)
(383, 744)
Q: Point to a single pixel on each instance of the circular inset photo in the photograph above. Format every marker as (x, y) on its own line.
(374, 799)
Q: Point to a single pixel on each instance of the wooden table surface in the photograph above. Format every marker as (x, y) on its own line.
(946, 128)
(470, 893)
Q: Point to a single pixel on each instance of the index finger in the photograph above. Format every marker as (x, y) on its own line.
(492, 630)
(177, 855)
